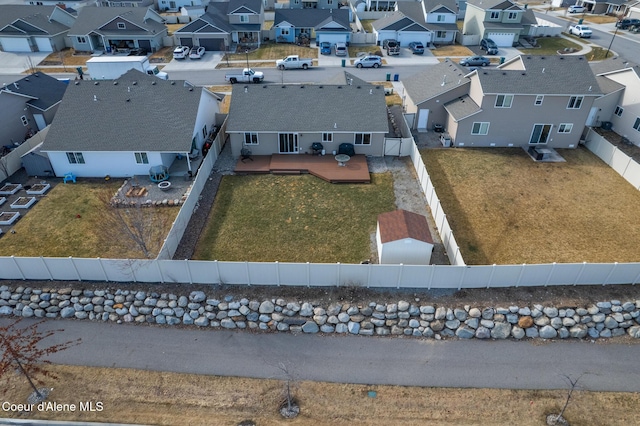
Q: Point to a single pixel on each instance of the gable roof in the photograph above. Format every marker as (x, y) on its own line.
(138, 113)
(462, 107)
(397, 21)
(401, 224)
(427, 84)
(44, 90)
(310, 108)
(435, 5)
(244, 6)
(541, 75)
(603, 69)
(208, 23)
(92, 18)
(29, 20)
(494, 4)
(316, 18)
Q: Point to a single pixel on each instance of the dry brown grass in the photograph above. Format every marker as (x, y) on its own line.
(600, 19)
(452, 50)
(67, 57)
(239, 66)
(273, 51)
(147, 397)
(504, 208)
(393, 99)
(172, 28)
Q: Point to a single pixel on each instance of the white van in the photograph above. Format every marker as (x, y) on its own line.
(341, 49)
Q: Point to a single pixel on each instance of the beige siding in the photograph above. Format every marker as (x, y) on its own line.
(630, 101)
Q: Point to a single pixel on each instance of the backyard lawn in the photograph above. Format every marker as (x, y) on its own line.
(72, 221)
(266, 218)
(506, 209)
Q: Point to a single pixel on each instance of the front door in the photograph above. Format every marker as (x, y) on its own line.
(288, 143)
(540, 133)
(423, 117)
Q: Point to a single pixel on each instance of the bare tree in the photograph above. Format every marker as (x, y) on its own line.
(21, 347)
(558, 419)
(289, 408)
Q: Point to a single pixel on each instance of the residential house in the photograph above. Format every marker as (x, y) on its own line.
(527, 101)
(503, 21)
(124, 3)
(124, 127)
(633, 9)
(225, 25)
(28, 105)
(438, 16)
(34, 28)
(314, 4)
(120, 28)
(402, 28)
(619, 107)
(288, 119)
(292, 25)
(608, 7)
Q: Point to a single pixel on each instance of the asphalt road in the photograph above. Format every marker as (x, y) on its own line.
(351, 359)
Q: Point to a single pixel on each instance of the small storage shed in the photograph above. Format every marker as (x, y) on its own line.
(36, 162)
(404, 237)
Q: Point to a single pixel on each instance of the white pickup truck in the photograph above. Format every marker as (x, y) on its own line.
(247, 76)
(581, 31)
(292, 62)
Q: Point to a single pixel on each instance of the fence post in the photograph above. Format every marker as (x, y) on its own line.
(186, 264)
(133, 272)
(159, 270)
(308, 275)
(218, 272)
(584, 264)
(338, 274)
(369, 275)
(104, 271)
(520, 274)
(613, 268)
(15, 262)
(75, 268)
(47, 268)
(464, 273)
(433, 271)
(246, 266)
(553, 266)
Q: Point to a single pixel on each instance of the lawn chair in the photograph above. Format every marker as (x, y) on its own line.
(245, 154)
(69, 177)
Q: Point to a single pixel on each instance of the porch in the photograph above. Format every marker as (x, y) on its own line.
(322, 166)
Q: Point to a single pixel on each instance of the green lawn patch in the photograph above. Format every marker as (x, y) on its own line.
(599, 54)
(505, 208)
(551, 46)
(266, 218)
(273, 51)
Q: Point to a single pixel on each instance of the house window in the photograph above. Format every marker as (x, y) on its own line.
(636, 125)
(575, 102)
(82, 40)
(540, 133)
(284, 31)
(363, 138)
(494, 15)
(244, 18)
(25, 120)
(329, 2)
(250, 138)
(141, 158)
(75, 158)
(504, 101)
(327, 137)
(204, 131)
(618, 111)
(480, 128)
(441, 34)
(565, 128)
(121, 26)
(440, 18)
(539, 100)
(512, 16)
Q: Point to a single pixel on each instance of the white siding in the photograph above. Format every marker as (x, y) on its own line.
(101, 164)
(406, 251)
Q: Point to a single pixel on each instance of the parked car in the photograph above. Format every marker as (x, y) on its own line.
(341, 49)
(369, 61)
(180, 52)
(416, 47)
(576, 9)
(475, 61)
(489, 45)
(581, 31)
(391, 46)
(196, 52)
(623, 24)
(325, 48)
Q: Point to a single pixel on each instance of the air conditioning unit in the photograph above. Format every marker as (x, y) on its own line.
(606, 125)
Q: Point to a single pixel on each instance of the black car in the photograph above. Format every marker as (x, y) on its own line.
(489, 45)
(623, 24)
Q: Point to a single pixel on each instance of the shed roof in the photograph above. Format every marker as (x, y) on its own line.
(401, 224)
(435, 80)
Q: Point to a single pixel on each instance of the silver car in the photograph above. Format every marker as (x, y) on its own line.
(369, 61)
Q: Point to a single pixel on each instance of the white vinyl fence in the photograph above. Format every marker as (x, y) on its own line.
(616, 159)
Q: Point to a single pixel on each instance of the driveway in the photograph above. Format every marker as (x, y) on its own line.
(17, 63)
(207, 63)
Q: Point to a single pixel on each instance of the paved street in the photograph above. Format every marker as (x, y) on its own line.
(351, 359)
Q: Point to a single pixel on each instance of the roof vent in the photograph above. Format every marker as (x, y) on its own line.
(590, 87)
(246, 89)
(128, 89)
(264, 86)
(173, 83)
(371, 91)
(115, 83)
(302, 86)
(77, 83)
(96, 83)
(128, 99)
(95, 98)
(561, 58)
(284, 87)
(444, 80)
(580, 58)
(335, 125)
(153, 83)
(542, 70)
(339, 87)
(320, 87)
(524, 73)
(26, 79)
(504, 73)
(16, 85)
(134, 83)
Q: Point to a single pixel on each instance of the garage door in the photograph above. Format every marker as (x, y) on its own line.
(212, 44)
(184, 41)
(15, 44)
(44, 44)
(332, 38)
(502, 39)
(404, 38)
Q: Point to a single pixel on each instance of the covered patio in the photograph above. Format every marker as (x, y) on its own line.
(325, 167)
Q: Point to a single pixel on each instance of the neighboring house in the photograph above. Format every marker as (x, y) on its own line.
(402, 28)
(527, 101)
(124, 3)
(193, 11)
(175, 5)
(34, 28)
(287, 119)
(121, 130)
(225, 24)
(28, 105)
(314, 4)
(438, 16)
(620, 104)
(103, 28)
(503, 21)
(608, 7)
(633, 10)
(403, 237)
(327, 24)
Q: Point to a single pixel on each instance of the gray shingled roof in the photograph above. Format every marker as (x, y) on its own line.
(310, 108)
(492, 4)
(344, 78)
(214, 21)
(310, 18)
(462, 107)
(35, 16)
(252, 5)
(541, 75)
(140, 113)
(430, 5)
(611, 65)
(91, 18)
(46, 91)
(428, 83)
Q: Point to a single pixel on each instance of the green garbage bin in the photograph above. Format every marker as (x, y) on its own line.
(501, 59)
(388, 77)
(344, 62)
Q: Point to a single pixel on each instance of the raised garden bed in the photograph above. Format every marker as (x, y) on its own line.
(10, 188)
(7, 218)
(23, 202)
(38, 189)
